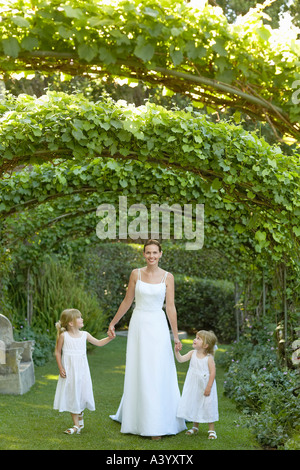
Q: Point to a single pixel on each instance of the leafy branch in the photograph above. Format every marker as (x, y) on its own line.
(245, 66)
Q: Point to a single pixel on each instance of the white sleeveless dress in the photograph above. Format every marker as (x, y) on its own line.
(151, 394)
(194, 405)
(75, 392)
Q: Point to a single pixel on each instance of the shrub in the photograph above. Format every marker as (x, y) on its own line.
(44, 343)
(262, 389)
(279, 414)
(206, 304)
(56, 288)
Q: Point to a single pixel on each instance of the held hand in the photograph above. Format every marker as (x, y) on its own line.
(178, 345)
(111, 331)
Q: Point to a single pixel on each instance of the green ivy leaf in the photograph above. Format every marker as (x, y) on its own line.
(260, 236)
(216, 184)
(21, 22)
(296, 231)
(177, 57)
(107, 55)
(144, 52)
(272, 163)
(29, 43)
(11, 47)
(226, 76)
(73, 12)
(219, 47)
(263, 33)
(87, 52)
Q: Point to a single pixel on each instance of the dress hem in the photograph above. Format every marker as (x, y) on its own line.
(154, 433)
(195, 420)
(75, 412)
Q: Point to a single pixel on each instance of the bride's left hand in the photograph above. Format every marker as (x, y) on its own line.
(178, 345)
(111, 331)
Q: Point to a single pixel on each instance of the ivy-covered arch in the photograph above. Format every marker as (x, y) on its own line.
(79, 190)
(74, 191)
(240, 175)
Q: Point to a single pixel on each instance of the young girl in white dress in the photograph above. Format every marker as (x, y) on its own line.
(74, 390)
(199, 400)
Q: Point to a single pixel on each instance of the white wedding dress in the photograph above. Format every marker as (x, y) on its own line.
(151, 394)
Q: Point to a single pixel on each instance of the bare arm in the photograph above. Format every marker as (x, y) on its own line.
(125, 304)
(171, 309)
(58, 350)
(98, 342)
(186, 357)
(212, 375)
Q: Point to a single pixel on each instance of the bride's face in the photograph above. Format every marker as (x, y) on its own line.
(152, 254)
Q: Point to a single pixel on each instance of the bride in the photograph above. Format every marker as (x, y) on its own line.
(151, 394)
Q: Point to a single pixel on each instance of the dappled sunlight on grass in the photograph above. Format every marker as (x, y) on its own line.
(17, 442)
(181, 377)
(10, 442)
(187, 341)
(51, 377)
(35, 405)
(119, 369)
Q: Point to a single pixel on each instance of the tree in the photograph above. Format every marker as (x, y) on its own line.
(245, 65)
(274, 8)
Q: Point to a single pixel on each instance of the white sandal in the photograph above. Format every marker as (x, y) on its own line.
(192, 431)
(212, 435)
(73, 430)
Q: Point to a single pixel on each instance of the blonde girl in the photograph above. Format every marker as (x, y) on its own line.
(199, 400)
(74, 390)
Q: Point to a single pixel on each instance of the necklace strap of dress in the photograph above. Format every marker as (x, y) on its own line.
(165, 277)
(139, 274)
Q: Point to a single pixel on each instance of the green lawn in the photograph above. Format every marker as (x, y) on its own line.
(29, 422)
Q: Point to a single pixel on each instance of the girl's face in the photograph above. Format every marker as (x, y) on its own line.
(152, 254)
(77, 322)
(198, 343)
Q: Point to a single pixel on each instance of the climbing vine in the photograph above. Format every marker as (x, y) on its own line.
(233, 170)
(246, 65)
(71, 193)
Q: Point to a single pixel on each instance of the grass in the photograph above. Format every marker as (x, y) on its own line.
(28, 422)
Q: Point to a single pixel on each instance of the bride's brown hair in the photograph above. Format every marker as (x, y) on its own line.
(152, 242)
